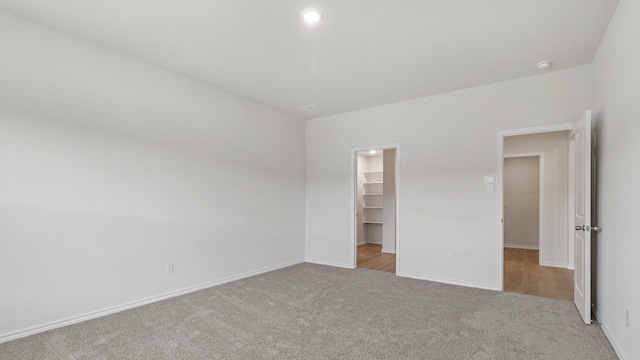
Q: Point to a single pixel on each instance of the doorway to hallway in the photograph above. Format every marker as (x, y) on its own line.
(537, 203)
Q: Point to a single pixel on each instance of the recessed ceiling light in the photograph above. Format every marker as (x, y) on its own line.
(544, 65)
(372, 152)
(311, 15)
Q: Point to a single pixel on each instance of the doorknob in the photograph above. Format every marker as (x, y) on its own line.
(587, 228)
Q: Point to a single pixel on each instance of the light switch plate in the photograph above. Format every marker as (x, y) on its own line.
(490, 179)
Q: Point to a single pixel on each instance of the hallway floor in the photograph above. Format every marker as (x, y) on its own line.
(522, 274)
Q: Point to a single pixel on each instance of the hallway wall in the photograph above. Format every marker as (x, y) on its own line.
(556, 233)
(522, 202)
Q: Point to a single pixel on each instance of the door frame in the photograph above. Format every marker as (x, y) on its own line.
(354, 199)
(500, 188)
(541, 212)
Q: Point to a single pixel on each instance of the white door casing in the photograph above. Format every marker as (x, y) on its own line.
(582, 231)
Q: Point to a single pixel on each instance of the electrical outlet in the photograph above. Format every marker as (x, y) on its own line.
(169, 269)
(627, 320)
(450, 259)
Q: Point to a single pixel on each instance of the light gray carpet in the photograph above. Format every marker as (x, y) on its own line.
(317, 312)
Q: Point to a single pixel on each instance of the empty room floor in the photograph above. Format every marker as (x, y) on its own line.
(319, 312)
(370, 256)
(523, 274)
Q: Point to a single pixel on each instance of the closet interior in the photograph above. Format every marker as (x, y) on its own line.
(376, 209)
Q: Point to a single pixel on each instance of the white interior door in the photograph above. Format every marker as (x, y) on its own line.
(582, 231)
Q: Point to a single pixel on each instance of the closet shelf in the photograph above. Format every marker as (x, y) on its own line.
(372, 206)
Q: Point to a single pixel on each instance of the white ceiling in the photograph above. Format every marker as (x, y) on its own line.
(364, 53)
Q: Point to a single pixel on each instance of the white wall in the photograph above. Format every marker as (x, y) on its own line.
(555, 147)
(522, 202)
(449, 143)
(389, 201)
(375, 162)
(111, 168)
(617, 115)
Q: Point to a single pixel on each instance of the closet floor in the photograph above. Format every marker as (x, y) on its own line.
(370, 256)
(522, 274)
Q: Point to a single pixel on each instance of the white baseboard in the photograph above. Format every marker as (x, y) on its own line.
(362, 243)
(570, 267)
(449, 282)
(552, 264)
(328, 263)
(386, 251)
(526, 247)
(130, 305)
(607, 334)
